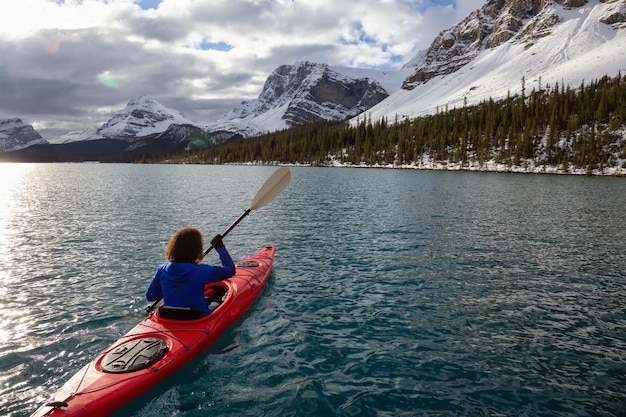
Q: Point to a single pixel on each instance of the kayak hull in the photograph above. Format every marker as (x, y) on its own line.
(157, 347)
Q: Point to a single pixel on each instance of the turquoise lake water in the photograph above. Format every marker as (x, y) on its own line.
(394, 293)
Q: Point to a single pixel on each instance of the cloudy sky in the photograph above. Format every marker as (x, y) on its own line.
(68, 64)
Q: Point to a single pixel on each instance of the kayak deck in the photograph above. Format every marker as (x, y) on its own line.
(157, 347)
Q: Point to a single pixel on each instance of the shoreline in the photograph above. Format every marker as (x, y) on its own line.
(490, 167)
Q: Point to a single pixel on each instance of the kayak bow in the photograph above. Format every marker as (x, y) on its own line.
(158, 346)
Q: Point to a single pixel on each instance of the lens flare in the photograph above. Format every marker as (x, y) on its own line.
(108, 80)
(53, 46)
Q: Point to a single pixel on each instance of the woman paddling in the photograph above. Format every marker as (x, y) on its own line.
(181, 280)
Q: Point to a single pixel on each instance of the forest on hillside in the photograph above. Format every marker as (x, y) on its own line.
(556, 126)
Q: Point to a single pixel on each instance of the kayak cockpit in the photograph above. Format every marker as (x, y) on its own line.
(179, 313)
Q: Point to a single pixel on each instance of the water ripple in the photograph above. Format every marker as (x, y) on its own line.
(394, 293)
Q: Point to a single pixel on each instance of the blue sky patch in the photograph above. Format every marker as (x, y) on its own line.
(149, 4)
(422, 6)
(215, 46)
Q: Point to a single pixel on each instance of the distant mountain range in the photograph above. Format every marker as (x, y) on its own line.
(497, 50)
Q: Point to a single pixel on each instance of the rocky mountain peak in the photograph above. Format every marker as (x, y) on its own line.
(15, 135)
(308, 91)
(322, 93)
(495, 23)
(142, 116)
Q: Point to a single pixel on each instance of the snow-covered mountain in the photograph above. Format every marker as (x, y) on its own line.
(497, 50)
(292, 94)
(15, 135)
(143, 127)
(490, 52)
(88, 133)
(305, 91)
(143, 116)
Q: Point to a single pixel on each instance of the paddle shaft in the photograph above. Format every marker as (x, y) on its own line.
(231, 227)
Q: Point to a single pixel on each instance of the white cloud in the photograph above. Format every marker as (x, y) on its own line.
(62, 62)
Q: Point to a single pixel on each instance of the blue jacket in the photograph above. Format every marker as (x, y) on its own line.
(182, 284)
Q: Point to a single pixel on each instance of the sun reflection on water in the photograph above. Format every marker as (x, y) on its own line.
(11, 179)
(11, 174)
(15, 319)
(11, 187)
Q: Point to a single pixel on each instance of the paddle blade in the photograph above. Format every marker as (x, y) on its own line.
(271, 188)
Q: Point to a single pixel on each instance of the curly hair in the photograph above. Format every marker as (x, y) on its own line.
(186, 245)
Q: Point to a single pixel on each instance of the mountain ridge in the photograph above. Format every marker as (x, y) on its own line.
(292, 94)
(497, 50)
(304, 91)
(565, 43)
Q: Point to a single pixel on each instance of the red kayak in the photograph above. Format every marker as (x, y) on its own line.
(157, 347)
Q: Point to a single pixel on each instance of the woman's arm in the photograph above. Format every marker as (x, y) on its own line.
(227, 269)
(154, 290)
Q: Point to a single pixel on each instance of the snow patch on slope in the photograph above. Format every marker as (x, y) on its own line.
(75, 136)
(579, 48)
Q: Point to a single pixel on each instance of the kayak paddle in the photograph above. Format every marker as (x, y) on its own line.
(273, 186)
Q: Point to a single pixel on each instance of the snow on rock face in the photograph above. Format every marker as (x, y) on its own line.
(143, 116)
(295, 94)
(615, 14)
(490, 26)
(327, 95)
(15, 135)
(88, 133)
(556, 43)
(495, 23)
